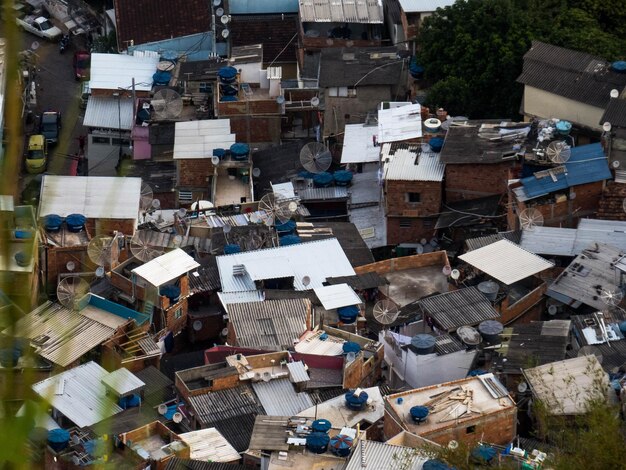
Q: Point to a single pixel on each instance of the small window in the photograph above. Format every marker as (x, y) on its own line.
(470, 430)
(343, 91)
(185, 196)
(178, 314)
(333, 91)
(406, 223)
(428, 223)
(413, 197)
(352, 92)
(101, 140)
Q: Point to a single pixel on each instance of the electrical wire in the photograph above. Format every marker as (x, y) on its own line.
(282, 50)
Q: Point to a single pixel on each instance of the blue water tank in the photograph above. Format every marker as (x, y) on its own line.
(227, 74)
(232, 248)
(356, 402)
(342, 177)
(321, 425)
(341, 445)
(351, 347)
(436, 144)
(53, 222)
(58, 439)
(563, 127)
(229, 98)
(317, 442)
(289, 240)
(477, 372)
(423, 343)
(348, 314)
(161, 78)
(75, 222)
(416, 70)
(484, 454)
(9, 357)
(622, 327)
(171, 292)
(170, 55)
(619, 66)
(22, 234)
(130, 401)
(239, 151)
(306, 174)
(322, 180)
(286, 228)
(419, 413)
(219, 153)
(491, 330)
(435, 464)
(229, 90)
(22, 258)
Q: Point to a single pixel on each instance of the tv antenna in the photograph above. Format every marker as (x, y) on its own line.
(167, 103)
(146, 197)
(530, 218)
(558, 152)
(70, 290)
(455, 274)
(385, 311)
(276, 210)
(142, 249)
(611, 298)
(315, 157)
(100, 250)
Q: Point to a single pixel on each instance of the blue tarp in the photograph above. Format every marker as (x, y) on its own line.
(587, 164)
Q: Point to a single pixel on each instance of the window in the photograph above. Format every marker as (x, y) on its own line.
(101, 140)
(470, 429)
(351, 92)
(413, 197)
(123, 142)
(406, 223)
(185, 196)
(333, 91)
(178, 313)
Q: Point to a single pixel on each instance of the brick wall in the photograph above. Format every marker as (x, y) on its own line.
(257, 129)
(396, 198)
(437, 258)
(470, 181)
(397, 232)
(58, 259)
(194, 173)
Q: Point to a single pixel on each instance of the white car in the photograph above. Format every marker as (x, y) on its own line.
(40, 26)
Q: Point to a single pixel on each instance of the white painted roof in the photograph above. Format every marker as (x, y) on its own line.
(108, 113)
(424, 6)
(335, 411)
(358, 145)
(399, 165)
(96, 197)
(339, 295)
(6, 203)
(311, 343)
(79, 394)
(257, 268)
(114, 71)
(283, 190)
(209, 445)
(166, 267)
(401, 123)
(122, 381)
(198, 139)
(341, 11)
(317, 260)
(506, 261)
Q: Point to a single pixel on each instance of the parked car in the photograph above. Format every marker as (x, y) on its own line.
(81, 64)
(50, 126)
(39, 26)
(36, 154)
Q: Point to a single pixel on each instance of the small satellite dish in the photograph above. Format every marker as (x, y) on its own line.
(522, 387)
(606, 127)
(350, 357)
(385, 311)
(306, 280)
(558, 152)
(75, 439)
(156, 203)
(219, 11)
(552, 310)
(419, 249)
(70, 265)
(197, 325)
(572, 195)
(280, 99)
(315, 101)
(256, 172)
(225, 33)
(453, 444)
(614, 93)
(455, 274)
(217, 3)
(530, 218)
(215, 160)
(75, 460)
(34, 45)
(266, 377)
(611, 298)
(615, 164)
(254, 218)
(177, 418)
(292, 206)
(447, 270)
(227, 228)
(100, 271)
(182, 212)
(225, 19)
(162, 409)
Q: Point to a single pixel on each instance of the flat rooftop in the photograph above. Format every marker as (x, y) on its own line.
(412, 284)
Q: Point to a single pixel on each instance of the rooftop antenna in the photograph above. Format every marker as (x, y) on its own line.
(146, 197)
(455, 274)
(611, 298)
(530, 218)
(315, 157)
(70, 290)
(385, 312)
(606, 127)
(614, 93)
(215, 160)
(142, 249)
(167, 103)
(100, 250)
(276, 211)
(558, 152)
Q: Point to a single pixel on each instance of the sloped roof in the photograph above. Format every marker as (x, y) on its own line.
(358, 145)
(109, 113)
(341, 11)
(209, 445)
(587, 164)
(115, 71)
(381, 455)
(166, 267)
(279, 396)
(349, 66)
(141, 21)
(615, 112)
(408, 162)
(575, 75)
(198, 139)
(338, 295)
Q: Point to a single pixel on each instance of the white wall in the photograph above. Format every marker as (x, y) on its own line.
(103, 152)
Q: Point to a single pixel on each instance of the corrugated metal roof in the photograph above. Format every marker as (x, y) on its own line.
(549, 241)
(317, 260)
(109, 113)
(478, 242)
(96, 197)
(115, 71)
(400, 123)
(228, 298)
(424, 6)
(204, 279)
(278, 397)
(341, 11)
(311, 344)
(358, 144)
(587, 164)
(122, 381)
(314, 194)
(173, 240)
(157, 384)
(166, 267)
(213, 407)
(339, 295)
(506, 261)
(209, 445)
(63, 335)
(467, 306)
(269, 325)
(615, 112)
(297, 372)
(198, 139)
(188, 464)
(378, 455)
(79, 394)
(283, 190)
(405, 162)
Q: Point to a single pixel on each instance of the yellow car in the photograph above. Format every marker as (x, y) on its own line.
(37, 154)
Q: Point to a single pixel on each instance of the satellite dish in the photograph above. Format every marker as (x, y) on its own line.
(280, 99)
(419, 249)
(530, 218)
(315, 157)
(143, 250)
(292, 206)
(385, 311)
(34, 45)
(156, 204)
(552, 310)
(614, 93)
(615, 164)
(453, 444)
(455, 274)
(217, 3)
(75, 439)
(225, 33)
(606, 127)
(70, 265)
(201, 205)
(275, 210)
(75, 460)
(182, 212)
(227, 228)
(256, 172)
(254, 218)
(100, 271)
(558, 152)
(99, 250)
(306, 280)
(215, 160)
(522, 387)
(70, 289)
(266, 376)
(225, 19)
(315, 101)
(219, 11)
(197, 325)
(145, 197)
(350, 357)
(162, 409)
(177, 417)
(447, 270)
(167, 103)
(611, 298)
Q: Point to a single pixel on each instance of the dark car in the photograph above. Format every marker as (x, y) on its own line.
(50, 126)
(81, 64)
